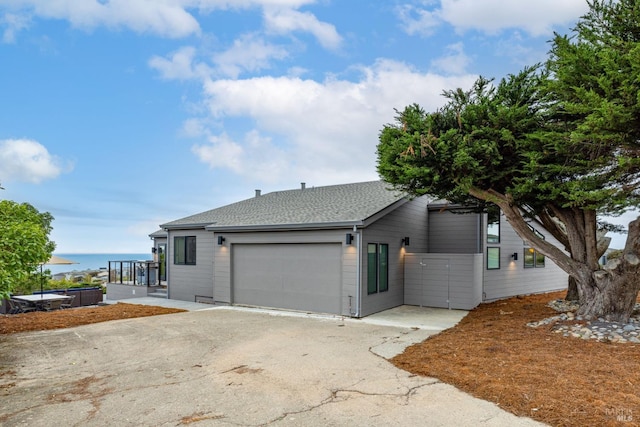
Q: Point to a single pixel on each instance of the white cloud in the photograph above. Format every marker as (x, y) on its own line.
(284, 21)
(254, 157)
(492, 16)
(248, 53)
(456, 62)
(13, 23)
(418, 21)
(165, 18)
(537, 18)
(180, 65)
(27, 160)
(328, 130)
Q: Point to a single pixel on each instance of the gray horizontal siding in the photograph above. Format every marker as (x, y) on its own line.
(186, 282)
(512, 278)
(453, 233)
(409, 220)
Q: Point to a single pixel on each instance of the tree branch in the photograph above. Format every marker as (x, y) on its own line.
(517, 221)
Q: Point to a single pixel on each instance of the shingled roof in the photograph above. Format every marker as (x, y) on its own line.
(316, 206)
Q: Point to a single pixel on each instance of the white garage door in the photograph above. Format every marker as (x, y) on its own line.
(292, 276)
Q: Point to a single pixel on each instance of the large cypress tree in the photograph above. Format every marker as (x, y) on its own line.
(559, 142)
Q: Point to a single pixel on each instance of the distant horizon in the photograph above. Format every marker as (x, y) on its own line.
(100, 253)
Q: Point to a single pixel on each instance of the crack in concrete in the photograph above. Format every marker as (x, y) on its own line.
(334, 397)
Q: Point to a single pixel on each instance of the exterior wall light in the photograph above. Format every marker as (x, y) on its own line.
(349, 239)
(514, 256)
(221, 240)
(405, 241)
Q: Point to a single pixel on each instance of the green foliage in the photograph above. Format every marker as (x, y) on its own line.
(563, 136)
(24, 244)
(559, 142)
(480, 138)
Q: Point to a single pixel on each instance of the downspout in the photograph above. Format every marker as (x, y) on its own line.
(167, 263)
(481, 242)
(479, 228)
(358, 275)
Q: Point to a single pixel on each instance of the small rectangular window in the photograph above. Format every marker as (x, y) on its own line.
(536, 232)
(383, 270)
(377, 268)
(493, 258)
(533, 258)
(372, 268)
(178, 250)
(493, 226)
(184, 250)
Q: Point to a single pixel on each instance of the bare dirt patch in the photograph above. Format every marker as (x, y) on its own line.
(562, 381)
(42, 320)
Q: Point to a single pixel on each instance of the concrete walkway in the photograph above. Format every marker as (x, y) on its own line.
(404, 316)
(423, 321)
(164, 302)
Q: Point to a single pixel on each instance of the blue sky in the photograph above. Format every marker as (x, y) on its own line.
(120, 115)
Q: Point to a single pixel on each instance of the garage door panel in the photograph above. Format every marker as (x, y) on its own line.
(292, 276)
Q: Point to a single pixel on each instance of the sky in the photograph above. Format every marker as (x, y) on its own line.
(120, 115)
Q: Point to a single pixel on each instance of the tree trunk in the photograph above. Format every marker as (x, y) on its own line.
(572, 290)
(572, 285)
(612, 297)
(611, 292)
(608, 292)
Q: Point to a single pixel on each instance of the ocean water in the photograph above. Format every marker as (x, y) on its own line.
(93, 261)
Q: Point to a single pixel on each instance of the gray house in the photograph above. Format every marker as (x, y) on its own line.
(352, 250)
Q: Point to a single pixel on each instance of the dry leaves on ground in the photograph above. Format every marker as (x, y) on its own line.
(534, 372)
(43, 320)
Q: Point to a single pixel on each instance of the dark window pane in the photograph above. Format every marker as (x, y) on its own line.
(178, 250)
(539, 260)
(190, 255)
(372, 268)
(184, 250)
(383, 272)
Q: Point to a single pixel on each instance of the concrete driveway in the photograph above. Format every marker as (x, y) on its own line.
(222, 367)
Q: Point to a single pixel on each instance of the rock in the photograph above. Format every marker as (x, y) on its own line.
(629, 328)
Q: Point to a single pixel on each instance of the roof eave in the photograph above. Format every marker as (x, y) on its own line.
(184, 226)
(285, 227)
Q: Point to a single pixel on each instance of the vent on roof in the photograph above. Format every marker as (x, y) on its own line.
(258, 192)
(303, 185)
